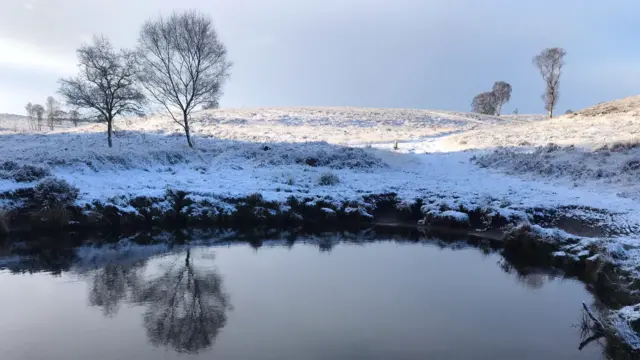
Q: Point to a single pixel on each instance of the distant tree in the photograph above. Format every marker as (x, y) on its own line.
(29, 109)
(74, 116)
(31, 115)
(484, 103)
(105, 85)
(213, 104)
(569, 111)
(550, 63)
(501, 95)
(52, 108)
(515, 111)
(183, 64)
(38, 110)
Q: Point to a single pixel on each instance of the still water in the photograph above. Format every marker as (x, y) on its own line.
(382, 300)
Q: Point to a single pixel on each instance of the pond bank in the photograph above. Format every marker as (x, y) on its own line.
(603, 263)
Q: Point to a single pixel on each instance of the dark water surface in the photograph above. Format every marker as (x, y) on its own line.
(382, 300)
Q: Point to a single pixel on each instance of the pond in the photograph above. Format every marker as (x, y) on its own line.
(377, 300)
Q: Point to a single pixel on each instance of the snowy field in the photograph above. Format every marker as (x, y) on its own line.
(590, 171)
(284, 152)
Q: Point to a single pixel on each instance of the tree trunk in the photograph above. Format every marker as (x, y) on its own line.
(186, 130)
(109, 128)
(550, 113)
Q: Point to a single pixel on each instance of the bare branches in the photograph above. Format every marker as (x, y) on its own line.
(550, 63)
(183, 64)
(106, 83)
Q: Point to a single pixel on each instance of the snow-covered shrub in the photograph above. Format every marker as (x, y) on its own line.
(29, 173)
(328, 179)
(53, 192)
(621, 146)
(448, 218)
(9, 166)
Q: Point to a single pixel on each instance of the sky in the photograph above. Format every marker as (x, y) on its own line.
(431, 54)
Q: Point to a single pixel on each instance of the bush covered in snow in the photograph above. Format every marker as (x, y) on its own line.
(53, 192)
(328, 179)
(25, 173)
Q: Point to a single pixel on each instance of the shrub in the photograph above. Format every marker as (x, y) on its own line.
(29, 173)
(52, 192)
(9, 166)
(328, 179)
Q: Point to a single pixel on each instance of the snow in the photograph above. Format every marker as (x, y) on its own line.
(283, 152)
(450, 160)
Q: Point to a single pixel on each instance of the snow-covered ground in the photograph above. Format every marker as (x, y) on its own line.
(342, 154)
(284, 152)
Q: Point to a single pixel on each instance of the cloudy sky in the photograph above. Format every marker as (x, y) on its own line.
(434, 54)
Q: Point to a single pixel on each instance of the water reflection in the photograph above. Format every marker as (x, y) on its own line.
(113, 284)
(185, 305)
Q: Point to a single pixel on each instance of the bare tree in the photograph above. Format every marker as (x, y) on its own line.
(74, 116)
(183, 64)
(31, 115)
(38, 110)
(550, 63)
(106, 83)
(501, 95)
(484, 103)
(52, 108)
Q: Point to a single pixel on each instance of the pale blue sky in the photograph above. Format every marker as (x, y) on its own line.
(434, 54)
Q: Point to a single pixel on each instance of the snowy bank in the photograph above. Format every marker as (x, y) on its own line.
(330, 167)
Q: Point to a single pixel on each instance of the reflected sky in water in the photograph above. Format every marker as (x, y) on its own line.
(382, 300)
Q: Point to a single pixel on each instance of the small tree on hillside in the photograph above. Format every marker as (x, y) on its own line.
(38, 110)
(183, 64)
(484, 103)
(105, 84)
(501, 95)
(550, 63)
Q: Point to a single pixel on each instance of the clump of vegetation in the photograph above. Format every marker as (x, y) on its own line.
(29, 173)
(53, 192)
(621, 146)
(328, 179)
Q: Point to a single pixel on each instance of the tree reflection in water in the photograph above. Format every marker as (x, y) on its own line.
(185, 306)
(112, 285)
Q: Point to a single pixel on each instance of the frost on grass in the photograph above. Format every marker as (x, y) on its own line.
(617, 164)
